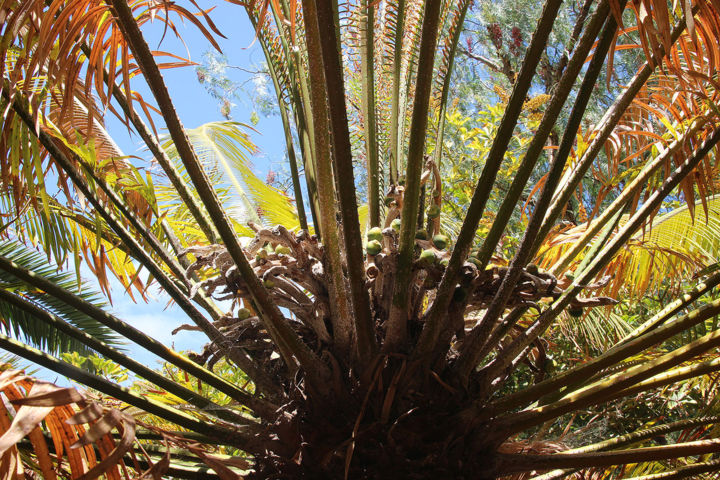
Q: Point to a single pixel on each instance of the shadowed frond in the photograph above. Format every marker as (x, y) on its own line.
(24, 326)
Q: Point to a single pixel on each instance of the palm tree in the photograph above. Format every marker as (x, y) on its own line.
(381, 354)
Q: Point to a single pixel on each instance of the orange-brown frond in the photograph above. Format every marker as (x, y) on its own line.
(62, 41)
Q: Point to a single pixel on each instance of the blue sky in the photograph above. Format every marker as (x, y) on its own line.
(195, 107)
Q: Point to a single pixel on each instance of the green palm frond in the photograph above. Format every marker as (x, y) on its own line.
(225, 149)
(276, 49)
(49, 231)
(453, 18)
(676, 246)
(24, 326)
(680, 230)
(598, 329)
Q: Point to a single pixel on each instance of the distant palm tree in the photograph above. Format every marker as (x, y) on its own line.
(394, 352)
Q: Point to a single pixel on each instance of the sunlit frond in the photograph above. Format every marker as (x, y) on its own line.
(225, 149)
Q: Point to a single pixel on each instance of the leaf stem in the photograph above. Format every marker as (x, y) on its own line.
(514, 463)
(473, 344)
(395, 120)
(607, 125)
(343, 169)
(262, 407)
(289, 344)
(196, 210)
(398, 316)
(367, 67)
(446, 289)
(631, 438)
(633, 224)
(139, 253)
(158, 379)
(537, 144)
(627, 382)
(628, 192)
(341, 309)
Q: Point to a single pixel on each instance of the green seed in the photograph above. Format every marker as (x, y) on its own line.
(268, 283)
(441, 242)
(421, 234)
(389, 201)
(282, 249)
(433, 211)
(243, 314)
(396, 224)
(375, 234)
(427, 257)
(532, 269)
(373, 247)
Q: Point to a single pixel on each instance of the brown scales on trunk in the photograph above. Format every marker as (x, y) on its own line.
(384, 421)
